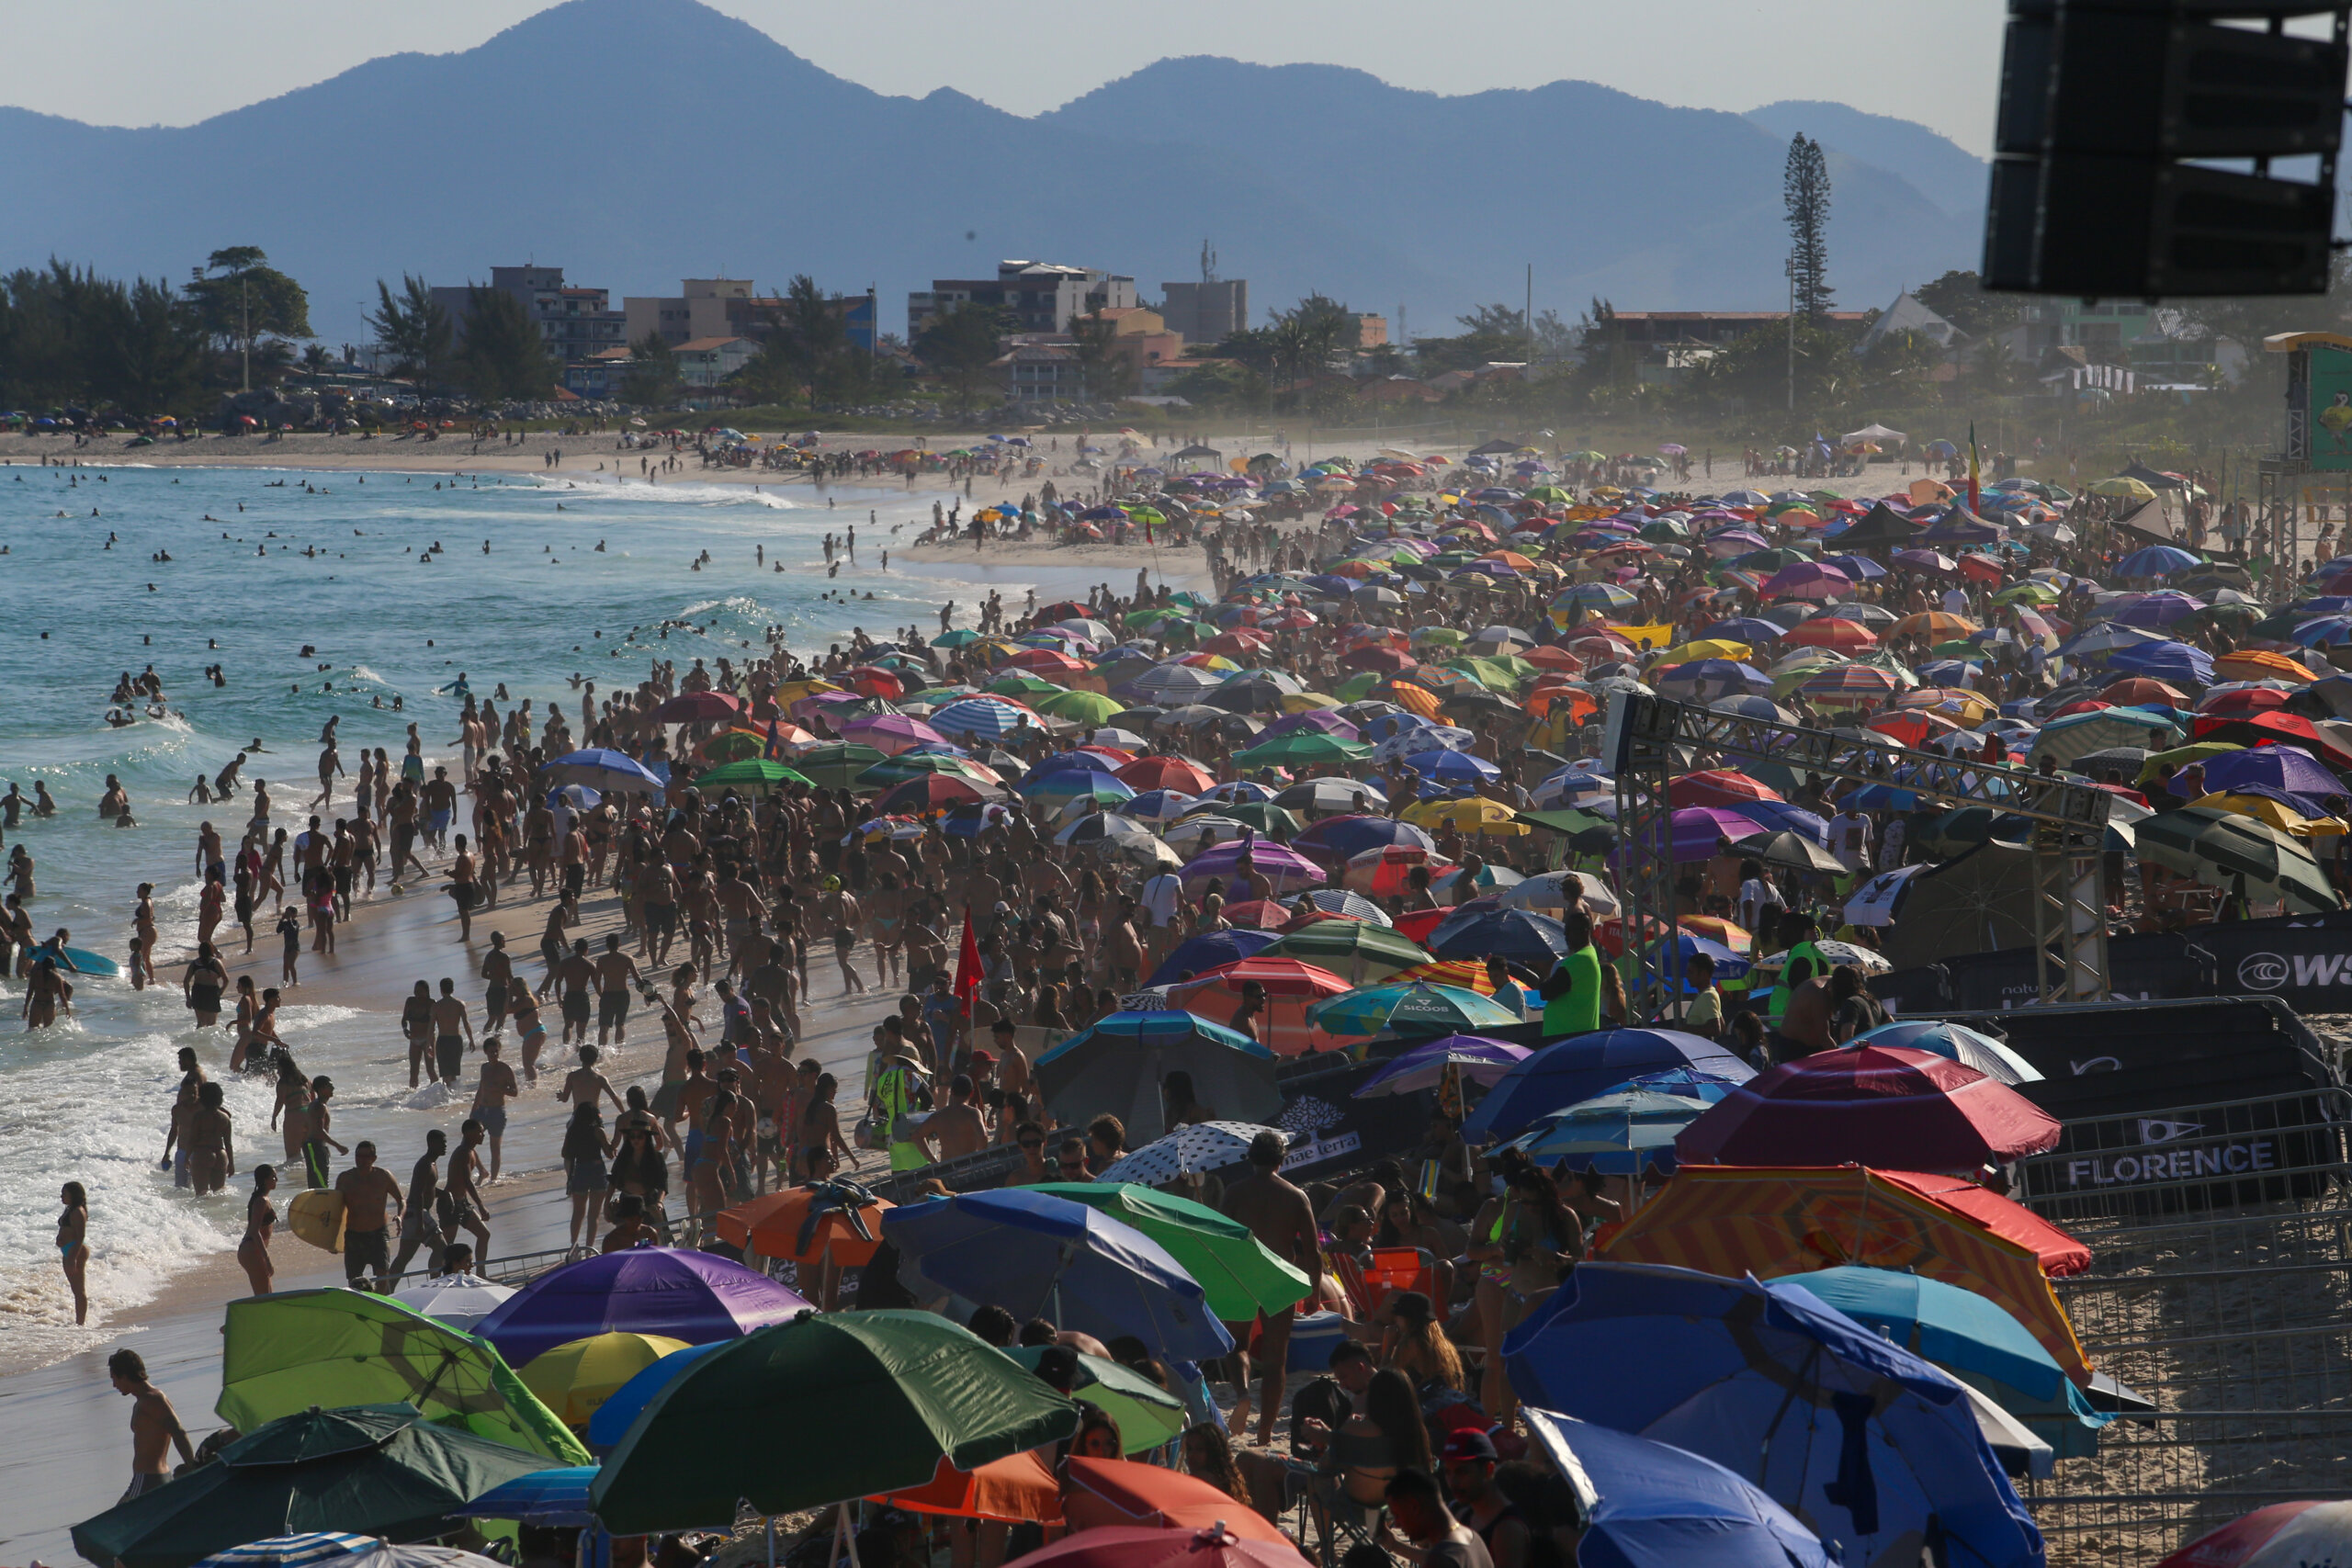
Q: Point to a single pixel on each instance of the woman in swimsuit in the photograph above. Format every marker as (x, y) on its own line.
(74, 1246)
(261, 1219)
(248, 1009)
(204, 981)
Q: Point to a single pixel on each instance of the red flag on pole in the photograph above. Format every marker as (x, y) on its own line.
(968, 969)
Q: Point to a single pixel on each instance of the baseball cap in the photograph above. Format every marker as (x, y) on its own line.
(982, 1060)
(1467, 1444)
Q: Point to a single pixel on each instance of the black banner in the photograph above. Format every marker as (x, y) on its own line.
(1331, 1131)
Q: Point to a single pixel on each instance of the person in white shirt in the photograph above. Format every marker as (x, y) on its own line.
(1955, 601)
(1850, 839)
(1759, 898)
(1158, 899)
(1896, 833)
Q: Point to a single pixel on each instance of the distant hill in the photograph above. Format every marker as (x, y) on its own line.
(1936, 167)
(634, 141)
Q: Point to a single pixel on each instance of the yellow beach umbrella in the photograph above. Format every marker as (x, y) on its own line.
(1707, 648)
(2283, 817)
(575, 1378)
(2262, 664)
(1473, 814)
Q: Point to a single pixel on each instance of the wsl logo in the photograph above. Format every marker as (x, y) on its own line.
(2268, 971)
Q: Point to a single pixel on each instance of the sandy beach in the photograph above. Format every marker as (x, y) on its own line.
(63, 1443)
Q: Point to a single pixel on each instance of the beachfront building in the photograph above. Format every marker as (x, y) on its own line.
(1042, 367)
(704, 362)
(732, 307)
(577, 323)
(1039, 297)
(1206, 311)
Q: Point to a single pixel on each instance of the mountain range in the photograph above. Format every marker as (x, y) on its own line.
(635, 142)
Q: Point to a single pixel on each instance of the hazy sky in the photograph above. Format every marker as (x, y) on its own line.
(147, 61)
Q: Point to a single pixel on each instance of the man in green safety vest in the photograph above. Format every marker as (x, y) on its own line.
(1805, 962)
(1572, 994)
(898, 1093)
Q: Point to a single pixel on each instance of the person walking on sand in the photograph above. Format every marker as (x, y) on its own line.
(155, 1428)
(453, 1031)
(420, 1225)
(74, 1246)
(371, 1199)
(261, 1222)
(492, 1091)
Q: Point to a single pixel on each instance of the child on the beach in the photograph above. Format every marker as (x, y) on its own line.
(289, 928)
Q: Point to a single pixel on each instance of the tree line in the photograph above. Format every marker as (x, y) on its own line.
(146, 347)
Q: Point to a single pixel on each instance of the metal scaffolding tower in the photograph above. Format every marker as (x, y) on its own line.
(2068, 818)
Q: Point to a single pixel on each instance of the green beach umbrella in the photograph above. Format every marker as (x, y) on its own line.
(1147, 1413)
(826, 1408)
(962, 637)
(2181, 756)
(1301, 747)
(1358, 685)
(378, 1469)
(2226, 850)
(1081, 707)
(1237, 1273)
(1024, 685)
(1415, 1008)
(1352, 949)
(754, 770)
(908, 765)
(284, 1353)
(1273, 821)
(836, 766)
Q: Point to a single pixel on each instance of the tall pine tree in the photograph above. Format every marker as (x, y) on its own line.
(1804, 187)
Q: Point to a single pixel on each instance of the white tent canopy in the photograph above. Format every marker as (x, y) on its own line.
(1872, 431)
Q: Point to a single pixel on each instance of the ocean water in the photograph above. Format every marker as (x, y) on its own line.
(264, 563)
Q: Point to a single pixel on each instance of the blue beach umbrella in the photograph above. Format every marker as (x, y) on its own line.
(616, 1415)
(2156, 560)
(1647, 1505)
(556, 1498)
(1973, 1339)
(1577, 1069)
(289, 1550)
(1453, 767)
(600, 768)
(1039, 1256)
(1208, 951)
(1878, 1448)
(1618, 1134)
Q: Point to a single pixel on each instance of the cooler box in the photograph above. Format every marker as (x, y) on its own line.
(1313, 1337)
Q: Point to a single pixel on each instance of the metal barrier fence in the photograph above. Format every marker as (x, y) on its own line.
(2219, 1294)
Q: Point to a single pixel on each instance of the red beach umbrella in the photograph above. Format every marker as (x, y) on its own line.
(1875, 1105)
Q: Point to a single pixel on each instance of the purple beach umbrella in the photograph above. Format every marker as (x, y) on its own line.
(694, 1296)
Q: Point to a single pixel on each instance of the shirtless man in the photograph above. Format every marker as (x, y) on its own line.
(492, 1091)
(465, 890)
(585, 1084)
(453, 1031)
(370, 1199)
(416, 1023)
(155, 1427)
(838, 910)
(578, 973)
(955, 1129)
(330, 769)
(498, 974)
(1279, 1215)
(659, 888)
(615, 973)
(744, 911)
(421, 1228)
(440, 809)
